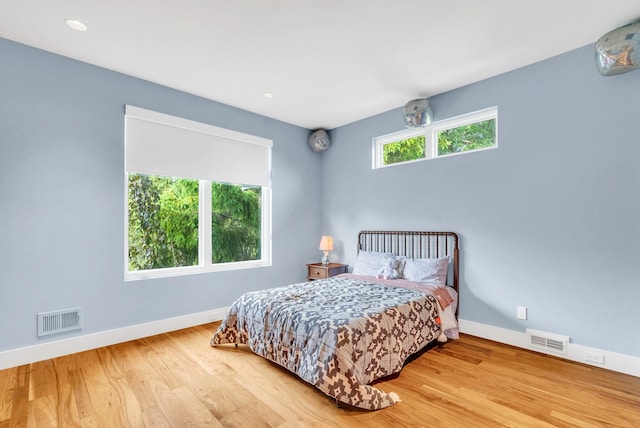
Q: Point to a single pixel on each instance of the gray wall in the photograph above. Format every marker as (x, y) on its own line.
(549, 220)
(62, 198)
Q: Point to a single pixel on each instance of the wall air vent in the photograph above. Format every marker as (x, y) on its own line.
(59, 321)
(547, 341)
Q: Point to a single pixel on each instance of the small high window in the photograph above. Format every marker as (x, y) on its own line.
(462, 134)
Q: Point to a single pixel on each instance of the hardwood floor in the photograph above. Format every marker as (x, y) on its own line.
(178, 380)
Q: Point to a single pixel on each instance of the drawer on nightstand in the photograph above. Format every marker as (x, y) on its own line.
(317, 272)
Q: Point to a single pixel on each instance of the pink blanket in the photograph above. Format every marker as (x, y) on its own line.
(439, 292)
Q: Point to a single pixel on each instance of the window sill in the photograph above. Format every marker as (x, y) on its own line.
(192, 270)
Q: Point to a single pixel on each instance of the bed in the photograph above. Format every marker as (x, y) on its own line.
(342, 333)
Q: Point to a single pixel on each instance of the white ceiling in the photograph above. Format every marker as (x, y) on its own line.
(328, 62)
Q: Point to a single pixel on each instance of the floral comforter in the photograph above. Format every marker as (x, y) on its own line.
(338, 334)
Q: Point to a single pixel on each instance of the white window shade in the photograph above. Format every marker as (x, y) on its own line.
(160, 144)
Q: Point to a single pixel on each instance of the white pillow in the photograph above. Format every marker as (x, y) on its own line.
(433, 271)
(369, 263)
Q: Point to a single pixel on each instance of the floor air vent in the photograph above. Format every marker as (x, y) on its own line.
(59, 321)
(547, 341)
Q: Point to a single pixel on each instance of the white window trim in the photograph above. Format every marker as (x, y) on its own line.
(380, 142)
(431, 137)
(457, 121)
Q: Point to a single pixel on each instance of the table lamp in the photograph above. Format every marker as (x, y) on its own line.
(326, 245)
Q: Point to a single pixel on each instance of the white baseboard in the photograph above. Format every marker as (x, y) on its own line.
(16, 357)
(45, 351)
(612, 361)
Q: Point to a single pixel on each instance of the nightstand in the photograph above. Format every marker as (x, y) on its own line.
(320, 271)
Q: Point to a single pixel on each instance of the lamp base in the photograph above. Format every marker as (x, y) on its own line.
(325, 258)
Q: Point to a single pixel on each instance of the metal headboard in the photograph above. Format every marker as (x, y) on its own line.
(414, 244)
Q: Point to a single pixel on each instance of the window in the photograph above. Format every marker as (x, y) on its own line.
(198, 197)
(462, 134)
(401, 147)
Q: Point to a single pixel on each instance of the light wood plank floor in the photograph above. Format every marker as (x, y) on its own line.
(178, 380)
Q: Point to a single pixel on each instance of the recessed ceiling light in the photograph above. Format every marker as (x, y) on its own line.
(267, 94)
(76, 25)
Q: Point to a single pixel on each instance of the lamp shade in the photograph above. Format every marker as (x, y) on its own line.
(326, 243)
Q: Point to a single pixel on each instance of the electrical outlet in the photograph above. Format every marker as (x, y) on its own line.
(593, 357)
(522, 312)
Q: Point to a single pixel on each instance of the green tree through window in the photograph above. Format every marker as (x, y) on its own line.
(467, 137)
(164, 218)
(235, 223)
(404, 150)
